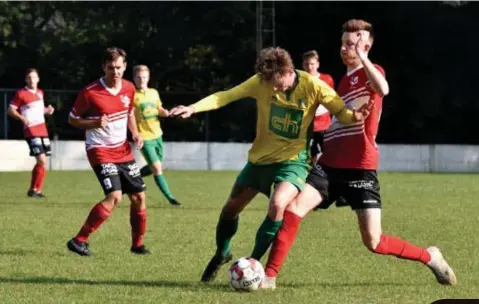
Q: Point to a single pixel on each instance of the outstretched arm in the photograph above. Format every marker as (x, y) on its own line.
(217, 100)
(376, 78)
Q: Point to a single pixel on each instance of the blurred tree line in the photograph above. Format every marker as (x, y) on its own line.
(195, 48)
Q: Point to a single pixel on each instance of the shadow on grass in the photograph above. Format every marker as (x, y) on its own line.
(124, 205)
(345, 284)
(158, 283)
(23, 252)
(17, 252)
(195, 286)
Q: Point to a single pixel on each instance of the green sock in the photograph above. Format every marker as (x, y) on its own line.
(225, 230)
(160, 181)
(264, 237)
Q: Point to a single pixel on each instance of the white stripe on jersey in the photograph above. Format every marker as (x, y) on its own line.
(34, 112)
(112, 136)
(353, 92)
(354, 100)
(343, 134)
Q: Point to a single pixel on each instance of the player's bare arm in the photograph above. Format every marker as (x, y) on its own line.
(134, 131)
(377, 81)
(15, 114)
(162, 112)
(82, 123)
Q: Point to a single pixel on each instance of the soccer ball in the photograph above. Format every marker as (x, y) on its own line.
(246, 274)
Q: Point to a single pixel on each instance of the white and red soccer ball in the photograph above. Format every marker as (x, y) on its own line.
(246, 274)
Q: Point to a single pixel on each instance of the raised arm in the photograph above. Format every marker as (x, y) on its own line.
(374, 73)
(219, 99)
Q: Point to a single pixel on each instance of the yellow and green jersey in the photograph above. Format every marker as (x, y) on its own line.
(284, 118)
(147, 103)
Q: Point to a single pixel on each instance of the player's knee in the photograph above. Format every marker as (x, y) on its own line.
(293, 206)
(157, 170)
(280, 201)
(113, 198)
(229, 212)
(138, 200)
(41, 160)
(276, 208)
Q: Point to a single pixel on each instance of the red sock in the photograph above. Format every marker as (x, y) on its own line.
(402, 249)
(38, 173)
(283, 243)
(97, 216)
(138, 226)
(40, 177)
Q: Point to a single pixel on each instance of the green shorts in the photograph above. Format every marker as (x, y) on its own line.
(153, 150)
(263, 177)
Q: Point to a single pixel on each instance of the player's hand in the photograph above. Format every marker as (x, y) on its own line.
(103, 122)
(25, 121)
(138, 141)
(49, 110)
(165, 113)
(359, 46)
(362, 113)
(182, 111)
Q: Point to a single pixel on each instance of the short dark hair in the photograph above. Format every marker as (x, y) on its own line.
(355, 25)
(310, 54)
(113, 53)
(273, 61)
(31, 70)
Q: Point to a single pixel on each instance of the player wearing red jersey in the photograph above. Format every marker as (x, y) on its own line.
(349, 164)
(322, 118)
(28, 106)
(105, 110)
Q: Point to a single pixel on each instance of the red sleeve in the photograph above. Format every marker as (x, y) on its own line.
(81, 105)
(17, 101)
(131, 94)
(42, 93)
(330, 81)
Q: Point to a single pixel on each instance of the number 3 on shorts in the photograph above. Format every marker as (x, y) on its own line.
(107, 183)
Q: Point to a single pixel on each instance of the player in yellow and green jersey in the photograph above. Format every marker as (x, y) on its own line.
(148, 110)
(286, 103)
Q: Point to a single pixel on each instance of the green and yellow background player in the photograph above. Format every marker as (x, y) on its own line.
(286, 102)
(148, 110)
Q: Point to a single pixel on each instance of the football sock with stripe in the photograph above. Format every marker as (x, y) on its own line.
(161, 182)
(264, 237)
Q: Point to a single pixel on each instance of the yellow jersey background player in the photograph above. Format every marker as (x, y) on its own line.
(148, 109)
(286, 103)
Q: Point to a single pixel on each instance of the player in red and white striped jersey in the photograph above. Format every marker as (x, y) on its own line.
(348, 167)
(28, 106)
(104, 109)
(322, 119)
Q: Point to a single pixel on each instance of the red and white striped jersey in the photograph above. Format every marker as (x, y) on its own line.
(322, 118)
(109, 144)
(354, 146)
(31, 105)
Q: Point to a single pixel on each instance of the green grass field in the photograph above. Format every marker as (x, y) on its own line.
(328, 263)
